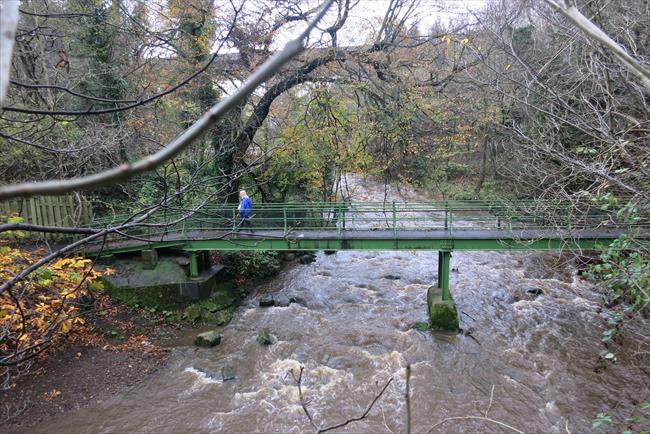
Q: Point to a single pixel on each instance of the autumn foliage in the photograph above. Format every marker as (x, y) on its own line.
(40, 310)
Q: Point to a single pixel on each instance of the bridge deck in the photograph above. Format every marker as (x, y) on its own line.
(461, 239)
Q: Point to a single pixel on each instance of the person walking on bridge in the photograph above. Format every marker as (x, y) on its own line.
(245, 210)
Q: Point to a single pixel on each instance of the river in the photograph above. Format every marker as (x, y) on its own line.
(531, 360)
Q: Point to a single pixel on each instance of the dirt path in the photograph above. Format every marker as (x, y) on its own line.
(120, 349)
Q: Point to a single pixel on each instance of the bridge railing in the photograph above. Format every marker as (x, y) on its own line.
(283, 219)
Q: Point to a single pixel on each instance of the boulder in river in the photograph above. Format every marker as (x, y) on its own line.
(228, 373)
(264, 337)
(267, 301)
(298, 300)
(207, 339)
(307, 259)
(282, 302)
(535, 291)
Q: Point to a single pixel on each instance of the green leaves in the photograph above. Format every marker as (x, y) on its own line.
(602, 419)
(607, 355)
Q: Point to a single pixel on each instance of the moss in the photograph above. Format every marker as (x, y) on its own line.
(161, 297)
(442, 313)
(421, 326)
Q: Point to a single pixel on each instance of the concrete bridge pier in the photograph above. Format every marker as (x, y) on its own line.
(442, 309)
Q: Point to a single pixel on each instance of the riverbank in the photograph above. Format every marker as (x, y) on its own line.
(120, 348)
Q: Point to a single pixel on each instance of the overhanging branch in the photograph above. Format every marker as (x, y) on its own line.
(209, 119)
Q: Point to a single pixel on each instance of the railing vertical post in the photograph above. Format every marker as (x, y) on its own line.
(284, 219)
(451, 222)
(446, 215)
(339, 220)
(234, 223)
(394, 221)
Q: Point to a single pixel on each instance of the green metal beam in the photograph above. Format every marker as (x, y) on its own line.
(371, 244)
(194, 264)
(444, 259)
(395, 244)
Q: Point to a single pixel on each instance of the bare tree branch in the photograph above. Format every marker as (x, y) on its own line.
(8, 25)
(592, 31)
(150, 162)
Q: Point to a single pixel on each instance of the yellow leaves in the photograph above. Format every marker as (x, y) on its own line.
(447, 39)
(70, 263)
(508, 66)
(52, 394)
(465, 40)
(66, 326)
(45, 305)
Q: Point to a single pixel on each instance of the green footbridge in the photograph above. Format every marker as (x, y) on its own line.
(444, 226)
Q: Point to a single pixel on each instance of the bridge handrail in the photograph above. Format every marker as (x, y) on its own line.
(449, 216)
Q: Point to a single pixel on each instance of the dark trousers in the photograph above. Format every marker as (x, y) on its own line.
(245, 222)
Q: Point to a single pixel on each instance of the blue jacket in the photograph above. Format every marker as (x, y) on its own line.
(245, 207)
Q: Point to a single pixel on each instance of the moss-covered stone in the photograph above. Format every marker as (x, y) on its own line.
(442, 313)
(264, 337)
(149, 259)
(208, 339)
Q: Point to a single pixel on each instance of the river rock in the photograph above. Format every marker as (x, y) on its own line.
(264, 337)
(329, 252)
(307, 259)
(183, 261)
(228, 373)
(535, 291)
(282, 302)
(289, 256)
(207, 339)
(298, 300)
(391, 277)
(267, 301)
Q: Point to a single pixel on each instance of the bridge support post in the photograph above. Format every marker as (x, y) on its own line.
(441, 306)
(194, 264)
(444, 259)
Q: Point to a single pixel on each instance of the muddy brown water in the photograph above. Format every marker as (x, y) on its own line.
(352, 332)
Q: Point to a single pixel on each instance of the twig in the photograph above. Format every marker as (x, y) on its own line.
(487, 410)
(407, 397)
(302, 400)
(150, 162)
(303, 404)
(358, 418)
(484, 418)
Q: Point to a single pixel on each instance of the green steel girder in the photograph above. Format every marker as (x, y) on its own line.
(371, 244)
(394, 244)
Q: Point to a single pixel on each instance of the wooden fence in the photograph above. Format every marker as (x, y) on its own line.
(66, 211)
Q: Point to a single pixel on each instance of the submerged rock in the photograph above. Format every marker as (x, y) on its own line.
(391, 277)
(264, 337)
(207, 339)
(228, 373)
(421, 326)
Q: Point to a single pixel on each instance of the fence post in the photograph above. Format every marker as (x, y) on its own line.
(446, 215)
(284, 220)
(394, 221)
